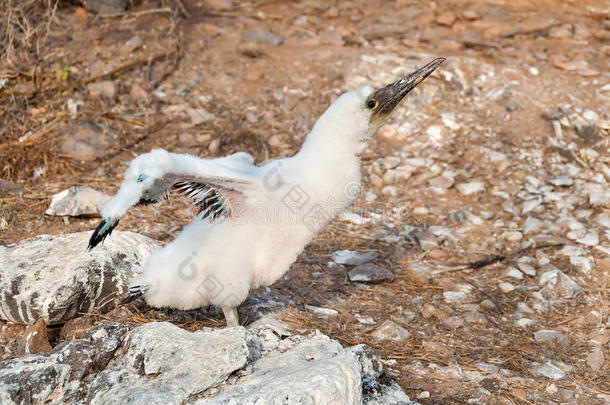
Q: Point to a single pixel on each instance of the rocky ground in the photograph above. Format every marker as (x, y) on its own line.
(485, 197)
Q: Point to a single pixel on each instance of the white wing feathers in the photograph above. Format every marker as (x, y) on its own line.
(214, 185)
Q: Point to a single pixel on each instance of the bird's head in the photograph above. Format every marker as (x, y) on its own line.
(358, 114)
(380, 103)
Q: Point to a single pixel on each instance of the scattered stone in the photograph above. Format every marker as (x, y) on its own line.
(77, 201)
(390, 331)
(427, 241)
(470, 15)
(513, 236)
(531, 225)
(506, 287)
(370, 273)
(421, 211)
(556, 280)
(581, 263)
(525, 322)
(84, 142)
(321, 311)
(423, 395)
(595, 360)
(603, 221)
(527, 269)
(264, 37)
(55, 278)
(531, 205)
(590, 239)
(365, 320)
(563, 181)
(447, 18)
(463, 216)
(471, 188)
(353, 258)
(419, 272)
(453, 322)
(104, 88)
(549, 370)
(548, 335)
(455, 297)
(199, 116)
(551, 389)
(442, 182)
(35, 339)
(588, 132)
(514, 273)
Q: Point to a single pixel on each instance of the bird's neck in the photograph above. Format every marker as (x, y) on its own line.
(331, 146)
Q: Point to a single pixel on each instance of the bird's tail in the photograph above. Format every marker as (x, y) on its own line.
(134, 293)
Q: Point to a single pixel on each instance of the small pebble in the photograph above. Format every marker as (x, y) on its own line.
(513, 236)
(506, 287)
(514, 273)
(420, 211)
(423, 395)
(471, 188)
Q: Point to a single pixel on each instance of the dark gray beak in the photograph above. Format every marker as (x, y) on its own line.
(384, 100)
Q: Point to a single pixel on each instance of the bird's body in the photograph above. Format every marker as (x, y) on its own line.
(253, 220)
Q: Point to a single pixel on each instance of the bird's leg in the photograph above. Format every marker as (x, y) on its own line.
(231, 316)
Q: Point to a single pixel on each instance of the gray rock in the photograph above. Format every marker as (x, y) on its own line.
(558, 282)
(315, 371)
(562, 181)
(54, 277)
(58, 376)
(77, 201)
(264, 37)
(531, 225)
(32, 379)
(471, 188)
(162, 362)
(321, 310)
(549, 370)
(548, 335)
(351, 257)
(370, 273)
(389, 330)
(595, 359)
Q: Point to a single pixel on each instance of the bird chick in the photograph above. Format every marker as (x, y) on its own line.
(252, 221)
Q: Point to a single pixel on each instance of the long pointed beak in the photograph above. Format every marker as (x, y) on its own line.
(387, 98)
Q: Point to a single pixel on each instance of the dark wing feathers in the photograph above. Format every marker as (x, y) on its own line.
(208, 199)
(103, 230)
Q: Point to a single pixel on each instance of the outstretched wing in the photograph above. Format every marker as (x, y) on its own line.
(215, 186)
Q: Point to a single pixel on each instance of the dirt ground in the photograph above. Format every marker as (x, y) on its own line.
(506, 148)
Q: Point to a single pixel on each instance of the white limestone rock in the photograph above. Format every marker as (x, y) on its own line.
(55, 278)
(164, 363)
(77, 201)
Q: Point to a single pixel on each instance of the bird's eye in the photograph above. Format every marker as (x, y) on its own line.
(142, 177)
(371, 103)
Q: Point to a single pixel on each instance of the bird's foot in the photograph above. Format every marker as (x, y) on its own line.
(231, 316)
